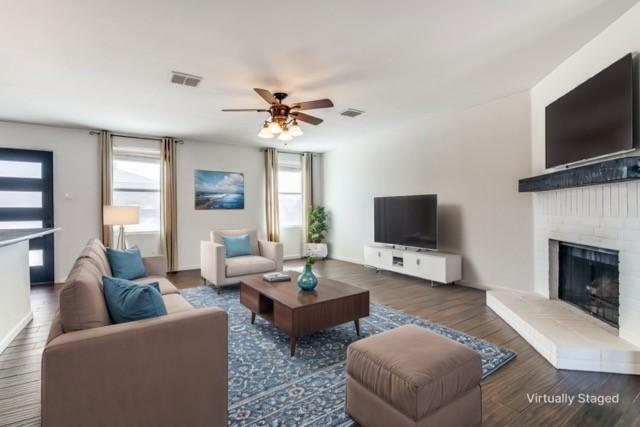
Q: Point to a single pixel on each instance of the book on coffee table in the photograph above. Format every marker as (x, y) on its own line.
(276, 277)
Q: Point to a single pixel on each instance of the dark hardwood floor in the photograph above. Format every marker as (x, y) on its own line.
(504, 393)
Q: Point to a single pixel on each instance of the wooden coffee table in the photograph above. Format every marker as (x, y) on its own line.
(298, 312)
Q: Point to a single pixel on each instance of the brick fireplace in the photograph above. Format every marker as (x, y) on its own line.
(603, 216)
(585, 309)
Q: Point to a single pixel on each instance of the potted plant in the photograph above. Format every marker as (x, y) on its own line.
(317, 228)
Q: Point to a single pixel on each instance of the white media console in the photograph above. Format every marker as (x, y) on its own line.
(435, 266)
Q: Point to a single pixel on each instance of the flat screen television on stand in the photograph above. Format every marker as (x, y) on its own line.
(595, 119)
(410, 221)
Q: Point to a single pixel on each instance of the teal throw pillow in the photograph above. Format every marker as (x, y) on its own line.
(128, 301)
(237, 245)
(126, 264)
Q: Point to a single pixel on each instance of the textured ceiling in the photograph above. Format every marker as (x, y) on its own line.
(105, 64)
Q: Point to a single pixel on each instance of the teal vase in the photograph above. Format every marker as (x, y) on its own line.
(307, 281)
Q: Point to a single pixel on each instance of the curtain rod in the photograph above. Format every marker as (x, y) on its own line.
(291, 152)
(148, 138)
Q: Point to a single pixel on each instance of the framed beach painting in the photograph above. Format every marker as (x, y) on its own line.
(219, 190)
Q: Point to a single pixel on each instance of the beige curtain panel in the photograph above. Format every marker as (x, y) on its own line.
(106, 181)
(169, 203)
(307, 190)
(271, 179)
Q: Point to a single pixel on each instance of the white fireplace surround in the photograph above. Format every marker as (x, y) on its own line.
(603, 216)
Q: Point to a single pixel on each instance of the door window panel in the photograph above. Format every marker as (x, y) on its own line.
(19, 225)
(36, 258)
(20, 199)
(16, 169)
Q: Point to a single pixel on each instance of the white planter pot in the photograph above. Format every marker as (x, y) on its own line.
(318, 250)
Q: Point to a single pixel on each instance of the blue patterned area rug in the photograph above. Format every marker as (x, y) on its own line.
(269, 388)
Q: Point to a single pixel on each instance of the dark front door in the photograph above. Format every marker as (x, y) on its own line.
(26, 201)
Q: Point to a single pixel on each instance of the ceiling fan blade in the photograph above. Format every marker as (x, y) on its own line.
(307, 118)
(266, 95)
(312, 105)
(245, 109)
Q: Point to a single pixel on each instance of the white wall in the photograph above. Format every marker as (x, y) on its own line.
(472, 160)
(75, 161)
(193, 225)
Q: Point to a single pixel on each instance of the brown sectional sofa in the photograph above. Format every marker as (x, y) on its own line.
(166, 371)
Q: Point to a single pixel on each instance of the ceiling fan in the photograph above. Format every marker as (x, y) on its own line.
(283, 118)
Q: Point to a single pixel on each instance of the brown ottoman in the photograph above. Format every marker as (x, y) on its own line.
(412, 377)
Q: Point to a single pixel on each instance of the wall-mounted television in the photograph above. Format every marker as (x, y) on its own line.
(595, 119)
(407, 221)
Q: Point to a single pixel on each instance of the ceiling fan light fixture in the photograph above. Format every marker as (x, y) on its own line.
(295, 130)
(265, 132)
(283, 118)
(285, 135)
(275, 128)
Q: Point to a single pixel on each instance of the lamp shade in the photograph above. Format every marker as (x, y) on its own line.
(120, 215)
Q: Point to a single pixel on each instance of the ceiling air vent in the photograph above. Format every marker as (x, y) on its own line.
(352, 112)
(184, 79)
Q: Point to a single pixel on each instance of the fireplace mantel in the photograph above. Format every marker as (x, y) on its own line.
(605, 172)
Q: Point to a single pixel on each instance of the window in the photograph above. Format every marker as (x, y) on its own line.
(290, 190)
(136, 181)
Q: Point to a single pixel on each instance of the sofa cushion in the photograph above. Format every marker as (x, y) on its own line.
(236, 245)
(415, 370)
(56, 327)
(216, 236)
(97, 253)
(129, 301)
(166, 287)
(126, 264)
(175, 303)
(250, 264)
(82, 304)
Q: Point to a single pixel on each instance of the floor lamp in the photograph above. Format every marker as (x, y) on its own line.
(121, 215)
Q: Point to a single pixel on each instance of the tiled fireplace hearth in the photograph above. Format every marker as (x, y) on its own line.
(593, 323)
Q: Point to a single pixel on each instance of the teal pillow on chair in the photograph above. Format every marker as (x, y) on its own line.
(128, 301)
(236, 245)
(126, 264)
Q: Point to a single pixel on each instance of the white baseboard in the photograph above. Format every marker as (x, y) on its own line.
(460, 282)
(188, 267)
(360, 262)
(484, 287)
(346, 259)
(15, 331)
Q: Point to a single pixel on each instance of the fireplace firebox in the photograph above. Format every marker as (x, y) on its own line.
(588, 278)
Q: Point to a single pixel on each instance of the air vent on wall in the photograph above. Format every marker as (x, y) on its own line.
(184, 79)
(352, 112)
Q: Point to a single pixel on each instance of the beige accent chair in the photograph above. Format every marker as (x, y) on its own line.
(222, 271)
(162, 372)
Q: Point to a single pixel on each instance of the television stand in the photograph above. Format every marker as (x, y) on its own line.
(430, 265)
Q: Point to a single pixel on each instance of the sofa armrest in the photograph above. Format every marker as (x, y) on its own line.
(155, 265)
(166, 371)
(272, 250)
(212, 263)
